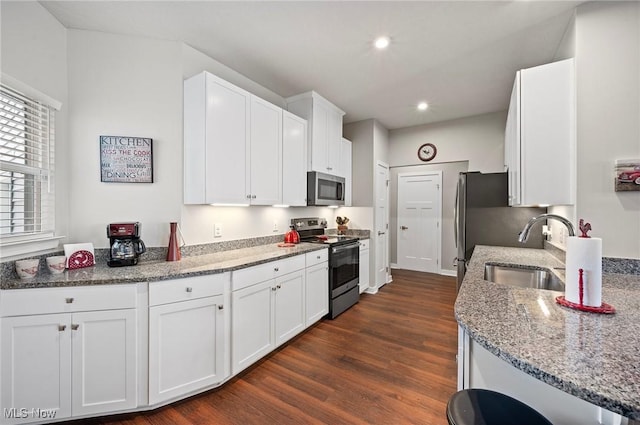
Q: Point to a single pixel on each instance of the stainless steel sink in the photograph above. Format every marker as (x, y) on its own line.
(538, 278)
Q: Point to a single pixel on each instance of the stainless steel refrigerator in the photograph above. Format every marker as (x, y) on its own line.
(482, 216)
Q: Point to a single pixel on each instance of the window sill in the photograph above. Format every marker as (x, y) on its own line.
(15, 249)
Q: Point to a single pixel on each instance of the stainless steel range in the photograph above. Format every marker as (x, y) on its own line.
(344, 262)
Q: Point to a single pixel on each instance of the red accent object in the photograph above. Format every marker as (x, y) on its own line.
(584, 228)
(81, 259)
(173, 251)
(603, 309)
(292, 236)
(581, 285)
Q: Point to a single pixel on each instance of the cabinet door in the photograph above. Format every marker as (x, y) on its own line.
(251, 324)
(289, 306)
(547, 132)
(317, 293)
(320, 138)
(104, 373)
(266, 153)
(334, 142)
(294, 160)
(227, 142)
(36, 367)
(186, 347)
(364, 267)
(345, 169)
(512, 144)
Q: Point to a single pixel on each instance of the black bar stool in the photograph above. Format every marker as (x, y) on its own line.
(485, 407)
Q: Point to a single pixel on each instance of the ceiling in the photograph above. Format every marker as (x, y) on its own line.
(459, 56)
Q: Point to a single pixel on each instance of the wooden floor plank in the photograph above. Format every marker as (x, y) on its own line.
(390, 359)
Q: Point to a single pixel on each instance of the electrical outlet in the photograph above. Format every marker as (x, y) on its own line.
(275, 226)
(217, 230)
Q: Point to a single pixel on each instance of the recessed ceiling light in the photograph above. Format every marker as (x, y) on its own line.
(381, 43)
(422, 106)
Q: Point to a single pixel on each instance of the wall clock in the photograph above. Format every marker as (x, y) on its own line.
(427, 152)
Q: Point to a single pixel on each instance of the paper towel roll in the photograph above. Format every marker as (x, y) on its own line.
(585, 254)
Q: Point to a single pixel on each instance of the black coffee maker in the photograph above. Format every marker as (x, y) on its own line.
(126, 245)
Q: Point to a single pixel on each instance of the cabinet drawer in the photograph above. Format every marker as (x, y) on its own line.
(20, 302)
(251, 275)
(188, 288)
(317, 257)
(364, 244)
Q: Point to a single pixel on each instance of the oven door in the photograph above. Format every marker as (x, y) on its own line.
(344, 268)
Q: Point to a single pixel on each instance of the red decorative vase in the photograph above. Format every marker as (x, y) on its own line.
(173, 252)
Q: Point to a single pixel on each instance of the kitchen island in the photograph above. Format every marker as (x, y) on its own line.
(593, 357)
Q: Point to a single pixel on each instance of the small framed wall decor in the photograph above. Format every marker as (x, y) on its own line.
(627, 175)
(126, 159)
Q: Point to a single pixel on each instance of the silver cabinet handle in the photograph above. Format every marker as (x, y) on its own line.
(248, 196)
(276, 269)
(68, 300)
(74, 327)
(189, 289)
(318, 257)
(278, 286)
(220, 307)
(273, 288)
(62, 327)
(404, 228)
(380, 233)
(253, 196)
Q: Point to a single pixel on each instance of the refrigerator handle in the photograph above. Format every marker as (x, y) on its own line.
(455, 216)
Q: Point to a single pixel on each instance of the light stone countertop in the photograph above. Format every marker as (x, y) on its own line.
(595, 357)
(156, 270)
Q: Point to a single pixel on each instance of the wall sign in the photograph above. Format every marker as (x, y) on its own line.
(627, 175)
(126, 159)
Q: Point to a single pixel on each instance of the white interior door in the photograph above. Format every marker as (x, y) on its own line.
(382, 223)
(419, 210)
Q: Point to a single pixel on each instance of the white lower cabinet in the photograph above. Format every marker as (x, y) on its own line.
(188, 342)
(364, 265)
(36, 367)
(71, 363)
(265, 315)
(316, 286)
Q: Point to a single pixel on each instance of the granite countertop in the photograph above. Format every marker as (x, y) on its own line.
(156, 270)
(595, 357)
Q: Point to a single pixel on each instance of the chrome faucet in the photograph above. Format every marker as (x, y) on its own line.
(524, 235)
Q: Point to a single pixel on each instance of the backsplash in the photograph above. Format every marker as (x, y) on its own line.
(7, 268)
(609, 264)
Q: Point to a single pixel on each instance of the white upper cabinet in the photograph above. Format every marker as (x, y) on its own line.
(265, 153)
(325, 129)
(294, 165)
(346, 169)
(540, 136)
(233, 147)
(216, 141)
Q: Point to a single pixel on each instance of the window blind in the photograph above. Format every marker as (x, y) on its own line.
(27, 201)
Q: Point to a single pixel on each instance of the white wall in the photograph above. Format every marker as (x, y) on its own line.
(478, 139)
(124, 86)
(608, 96)
(34, 51)
(132, 86)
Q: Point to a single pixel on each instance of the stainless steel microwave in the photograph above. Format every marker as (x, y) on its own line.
(324, 189)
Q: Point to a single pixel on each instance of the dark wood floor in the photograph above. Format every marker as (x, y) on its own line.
(388, 360)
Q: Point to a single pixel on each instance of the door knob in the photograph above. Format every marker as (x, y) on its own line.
(403, 227)
(380, 233)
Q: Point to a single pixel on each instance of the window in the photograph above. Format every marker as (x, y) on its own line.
(27, 201)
